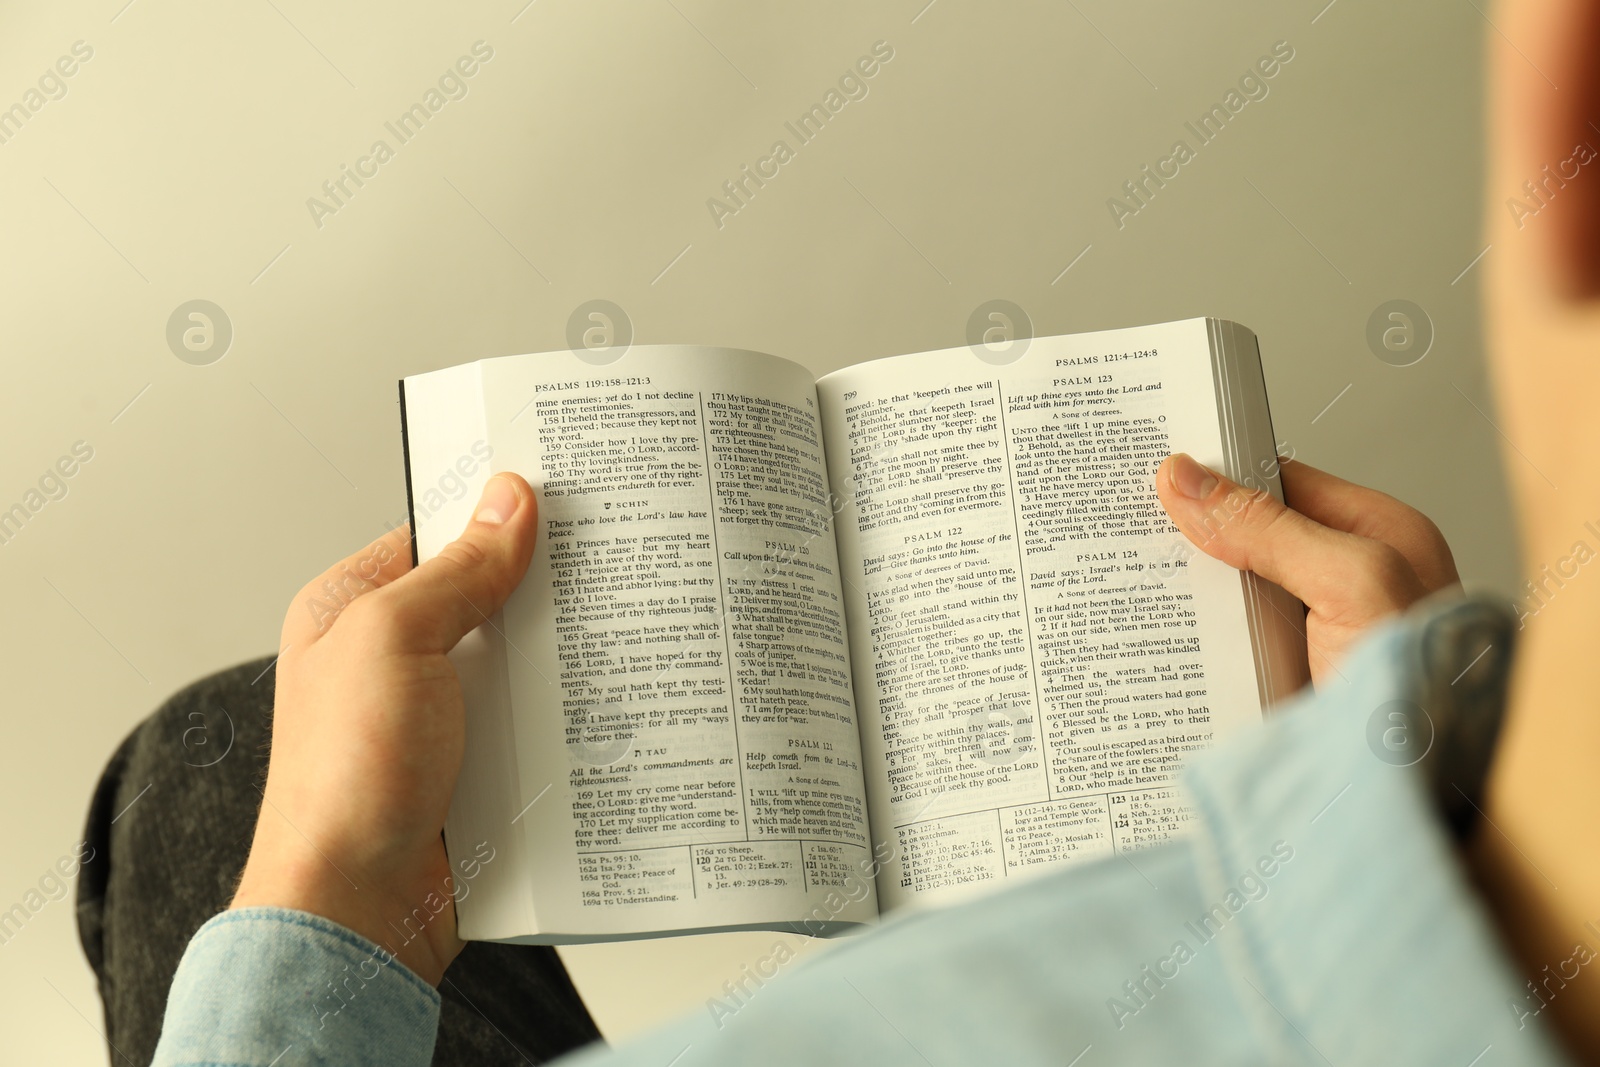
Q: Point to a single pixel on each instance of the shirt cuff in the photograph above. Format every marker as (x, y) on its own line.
(264, 986)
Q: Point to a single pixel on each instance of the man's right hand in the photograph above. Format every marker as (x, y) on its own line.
(1353, 555)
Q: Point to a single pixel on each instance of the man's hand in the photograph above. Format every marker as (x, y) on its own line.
(1352, 554)
(368, 733)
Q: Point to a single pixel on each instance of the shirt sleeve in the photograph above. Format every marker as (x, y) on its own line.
(263, 986)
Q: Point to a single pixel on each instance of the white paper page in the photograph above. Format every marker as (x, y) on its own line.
(677, 658)
(1035, 649)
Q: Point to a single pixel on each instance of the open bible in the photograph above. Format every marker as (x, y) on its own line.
(793, 653)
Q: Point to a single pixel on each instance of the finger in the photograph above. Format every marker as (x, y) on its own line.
(440, 602)
(325, 597)
(1251, 530)
(1544, 211)
(1356, 509)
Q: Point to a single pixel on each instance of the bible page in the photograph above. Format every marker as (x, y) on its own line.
(686, 748)
(1037, 648)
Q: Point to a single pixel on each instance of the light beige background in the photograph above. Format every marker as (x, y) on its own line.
(179, 163)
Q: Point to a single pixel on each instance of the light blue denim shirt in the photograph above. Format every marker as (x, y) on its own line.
(1317, 914)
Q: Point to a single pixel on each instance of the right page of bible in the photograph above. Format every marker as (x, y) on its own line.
(1036, 648)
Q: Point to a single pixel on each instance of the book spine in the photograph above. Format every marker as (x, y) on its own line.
(405, 454)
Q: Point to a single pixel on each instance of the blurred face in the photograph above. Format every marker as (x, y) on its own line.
(1541, 274)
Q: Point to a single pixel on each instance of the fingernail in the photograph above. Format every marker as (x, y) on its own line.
(499, 501)
(1192, 479)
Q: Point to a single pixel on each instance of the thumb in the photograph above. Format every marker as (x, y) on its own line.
(1250, 530)
(434, 606)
